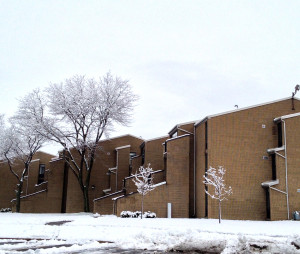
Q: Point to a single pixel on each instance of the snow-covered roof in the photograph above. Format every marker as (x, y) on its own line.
(56, 159)
(170, 139)
(121, 136)
(35, 160)
(152, 139)
(286, 116)
(241, 109)
(277, 149)
(122, 147)
(270, 183)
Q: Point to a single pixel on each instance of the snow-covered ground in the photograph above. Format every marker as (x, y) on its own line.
(76, 233)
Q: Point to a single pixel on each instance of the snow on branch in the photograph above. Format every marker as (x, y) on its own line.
(214, 178)
(76, 114)
(144, 180)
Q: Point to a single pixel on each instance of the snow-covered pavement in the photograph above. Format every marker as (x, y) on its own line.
(76, 233)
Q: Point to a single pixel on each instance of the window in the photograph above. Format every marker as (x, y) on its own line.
(279, 128)
(273, 156)
(143, 153)
(132, 154)
(41, 176)
(268, 207)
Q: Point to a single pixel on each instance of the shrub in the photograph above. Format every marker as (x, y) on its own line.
(126, 214)
(5, 210)
(137, 214)
(149, 215)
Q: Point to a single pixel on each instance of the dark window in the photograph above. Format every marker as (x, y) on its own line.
(41, 176)
(143, 153)
(268, 203)
(273, 166)
(279, 128)
(132, 154)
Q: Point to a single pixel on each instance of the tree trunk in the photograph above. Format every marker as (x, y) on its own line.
(219, 211)
(142, 207)
(18, 200)
(86, 199)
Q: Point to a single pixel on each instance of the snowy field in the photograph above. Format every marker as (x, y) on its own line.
(89, 233)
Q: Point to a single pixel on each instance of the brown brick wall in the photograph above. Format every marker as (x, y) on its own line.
(154, 201)
(136, 163)
(238, 142)
(182, 130)
(105, 205)
(185, 128)
(55, 187)
(176, 191)
(36, 203)
(106, 158)
(8, 181)
(131, 187)
(177, 175)
(123, 166)
(154, 153)
(8, 185)
(278, 204)
(293, 162)
(200, 171)
(49, 201)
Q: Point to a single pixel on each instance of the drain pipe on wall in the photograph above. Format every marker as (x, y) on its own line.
(286, 171)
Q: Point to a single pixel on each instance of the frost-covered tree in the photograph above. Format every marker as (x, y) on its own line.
(19, 143)
(144, 182)
(214, 177)
(76, 114)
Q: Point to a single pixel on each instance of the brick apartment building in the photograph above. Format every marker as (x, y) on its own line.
(258, 146)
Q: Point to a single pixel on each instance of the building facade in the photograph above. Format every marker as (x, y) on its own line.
(258, 146)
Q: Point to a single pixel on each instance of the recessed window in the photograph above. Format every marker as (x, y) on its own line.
(41, 176)
(268, 207)
(132, 154)
(143, 153)
(279, 128)
(274, 176)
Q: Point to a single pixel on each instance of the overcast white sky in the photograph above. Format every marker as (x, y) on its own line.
(185, 59)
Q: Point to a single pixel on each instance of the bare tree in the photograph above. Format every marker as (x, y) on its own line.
(144, 183)
(214, 178)
(76, 114)
(18, 145)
